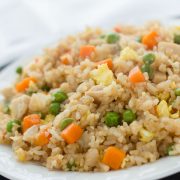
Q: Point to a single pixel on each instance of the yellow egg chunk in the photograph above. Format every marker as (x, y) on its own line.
(102, 75)
(162, 109)
(128, 54)
(146, 136)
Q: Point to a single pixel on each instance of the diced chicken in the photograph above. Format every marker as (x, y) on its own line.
(91, 157)
(4, 118)
(159, 77)
(39, 102)
(170, 49)
(19, 106)
(30, 133)
(103, 94)
(8, 92)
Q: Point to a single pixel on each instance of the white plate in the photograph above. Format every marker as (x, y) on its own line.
(12, 169)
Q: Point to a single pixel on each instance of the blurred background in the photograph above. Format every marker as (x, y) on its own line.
(27, 24)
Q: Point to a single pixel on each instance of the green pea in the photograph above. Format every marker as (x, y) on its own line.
(102, 36)
(19, 70)
(6, 108)
(59, 96)
(129, 116)
(177, 91)
(65, 122)
(45, 88)
(112, 38)
(169, 149)
(10, 125)
(54, 108)
(177, 38)
(139, 39)
(147, 68)
(71, 165)
(112, 119)
(149, 58)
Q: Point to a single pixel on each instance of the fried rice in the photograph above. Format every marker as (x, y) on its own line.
(98, 101)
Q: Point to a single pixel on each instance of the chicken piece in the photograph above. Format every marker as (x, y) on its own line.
(170, 49)
(39, 102)
(91, 157)
(103, 94)
(159, 77)
(19, 106)
(8, 92)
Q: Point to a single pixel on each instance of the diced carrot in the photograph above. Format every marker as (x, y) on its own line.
(106, 61)
(64, 59)
(72, 133)
(29, 121)
(113, 157)
(24, 84)
(136, 76)
(42, 138)
(150, 40)
(86, 50)
(117, 29)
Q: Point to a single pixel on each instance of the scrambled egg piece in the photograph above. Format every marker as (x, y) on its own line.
(102, 75)
(128, 54)
(162, 109)
(146, 136)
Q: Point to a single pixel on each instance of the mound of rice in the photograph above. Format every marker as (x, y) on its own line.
(98, 72)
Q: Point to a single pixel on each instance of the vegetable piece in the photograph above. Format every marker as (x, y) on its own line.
(29, 121)
(45, 88)
(128, 54)
(6, 108)
(177, 91)
(146, 136)
(177, 38)
(129, 116)
(24, 84)
(162, 109)
(147, 68)
(150, 40)
(54, 108)
(113, 157)
(59, 96)
(85, 51)
(169, 149)
(136, 76)
(102, 75)
(102, 36)
(42, 138)
(65, 59)
(71, 165)
(72, 133)
(117, 29)
(19, 70)
(112, 38)
(10, 125)
(149, 58)
(112, 119)
(139, 39)
(106, 61)
(65, 122)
